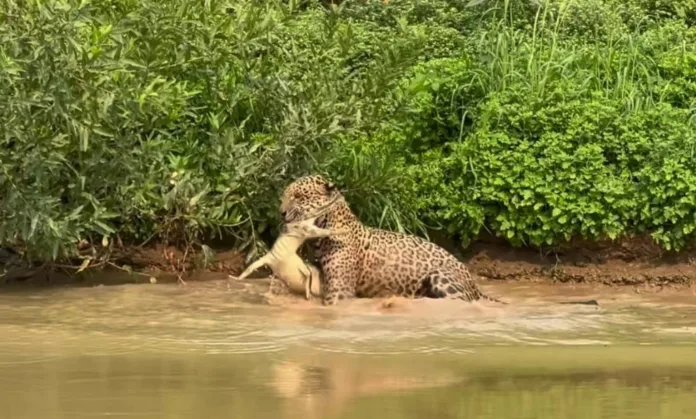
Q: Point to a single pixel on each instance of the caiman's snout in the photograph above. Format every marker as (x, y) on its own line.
(283, 209)
(286, 213)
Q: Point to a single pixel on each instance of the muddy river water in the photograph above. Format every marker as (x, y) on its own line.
(233, 350)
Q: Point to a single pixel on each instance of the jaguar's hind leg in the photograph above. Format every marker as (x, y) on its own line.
(445, 284)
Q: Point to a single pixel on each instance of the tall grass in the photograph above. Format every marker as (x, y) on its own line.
(542, 57)
(557, 135)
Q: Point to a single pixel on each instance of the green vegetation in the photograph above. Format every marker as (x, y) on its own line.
(180, 120)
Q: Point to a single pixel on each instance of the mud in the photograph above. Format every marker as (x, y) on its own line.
(157, 262)
(636, 262)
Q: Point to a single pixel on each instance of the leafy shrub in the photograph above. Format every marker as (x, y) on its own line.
(442, 103)
(548, 140)
(667, 9)
(176, 119)
(181, 120)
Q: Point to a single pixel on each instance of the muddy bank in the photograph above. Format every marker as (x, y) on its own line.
(634, 262)
(128, 264)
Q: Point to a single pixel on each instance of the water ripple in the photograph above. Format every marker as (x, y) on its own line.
(210, 319)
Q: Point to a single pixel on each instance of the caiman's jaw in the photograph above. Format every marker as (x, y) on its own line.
(294, 210)
(289, 215)
(287, 211)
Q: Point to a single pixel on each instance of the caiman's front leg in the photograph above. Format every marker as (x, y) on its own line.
(307, 279)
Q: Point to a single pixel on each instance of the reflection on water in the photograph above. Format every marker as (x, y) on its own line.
(228, 350)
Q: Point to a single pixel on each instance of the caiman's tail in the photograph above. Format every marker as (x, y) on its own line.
(587, 302)
(495, 300)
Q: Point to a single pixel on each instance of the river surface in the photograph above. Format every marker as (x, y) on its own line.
(219, 349)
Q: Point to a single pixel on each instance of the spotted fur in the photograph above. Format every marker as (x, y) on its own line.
(370, 262)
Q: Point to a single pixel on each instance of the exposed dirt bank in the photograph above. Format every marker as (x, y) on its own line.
(128, 264)
(629, 262)
(634, 262)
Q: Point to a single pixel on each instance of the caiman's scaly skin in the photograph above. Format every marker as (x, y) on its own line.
(286, 264)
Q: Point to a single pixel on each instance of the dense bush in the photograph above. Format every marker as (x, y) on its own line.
(179, 120)
(548, 137)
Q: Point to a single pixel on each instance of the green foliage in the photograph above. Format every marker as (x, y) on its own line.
(375, 180)
(551, 171)
(178, 119)
(181, 120)
(677, 9)
(554, 135)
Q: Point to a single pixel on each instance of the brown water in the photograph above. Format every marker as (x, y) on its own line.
(215, 349)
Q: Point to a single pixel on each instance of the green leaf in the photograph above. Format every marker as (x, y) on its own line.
(474, 3)
(103, 228)
(84, 138)
(34, 223)
(194, 200)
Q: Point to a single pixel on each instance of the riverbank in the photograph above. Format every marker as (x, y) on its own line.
(636, 262)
